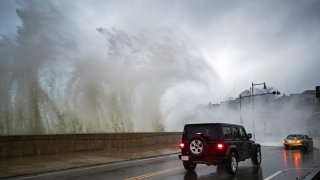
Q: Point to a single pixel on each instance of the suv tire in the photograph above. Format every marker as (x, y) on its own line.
(197, 147)
(232, 164)
(256, 158)
(305, 148)
(190, 166)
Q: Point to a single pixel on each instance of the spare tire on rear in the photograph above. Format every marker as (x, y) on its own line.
(198, 147)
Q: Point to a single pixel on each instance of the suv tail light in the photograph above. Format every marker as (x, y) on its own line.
(181, 145)
(220, 146)
(300, 142)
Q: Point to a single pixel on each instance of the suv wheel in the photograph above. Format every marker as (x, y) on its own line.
(190, 166)
(256, 159)
(232, 164)
(197, 146)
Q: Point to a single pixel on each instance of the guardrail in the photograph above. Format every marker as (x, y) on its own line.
(31, 145)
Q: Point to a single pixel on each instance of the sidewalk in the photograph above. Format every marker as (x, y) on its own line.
(13, 167)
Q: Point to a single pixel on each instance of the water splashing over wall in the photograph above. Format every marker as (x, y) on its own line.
(58, 78)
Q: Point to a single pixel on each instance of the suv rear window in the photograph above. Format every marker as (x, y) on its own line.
(209, 131)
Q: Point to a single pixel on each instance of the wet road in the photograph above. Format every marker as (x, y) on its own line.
(277, 163)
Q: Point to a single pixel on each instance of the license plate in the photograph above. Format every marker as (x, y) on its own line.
(185, 158)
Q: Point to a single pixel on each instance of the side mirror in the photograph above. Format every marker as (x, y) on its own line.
(249, 135)
(310, 138)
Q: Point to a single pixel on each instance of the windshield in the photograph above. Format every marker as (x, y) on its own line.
(293, 136)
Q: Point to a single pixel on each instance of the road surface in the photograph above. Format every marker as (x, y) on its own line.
(277, 163)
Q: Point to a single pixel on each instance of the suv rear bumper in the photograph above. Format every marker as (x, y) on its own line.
(209, 160)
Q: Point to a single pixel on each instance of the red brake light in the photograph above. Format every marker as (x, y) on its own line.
(181, 145)
(220, 146)
(198, 133)
(300, 142)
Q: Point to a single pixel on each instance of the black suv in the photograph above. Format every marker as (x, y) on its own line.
(217, 144)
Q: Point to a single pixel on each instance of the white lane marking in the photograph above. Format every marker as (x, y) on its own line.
(91, 167)
(273, 175)
(278, 172)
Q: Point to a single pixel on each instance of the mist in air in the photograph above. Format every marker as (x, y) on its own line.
(270, 118)
(56, 78)
(119, 66)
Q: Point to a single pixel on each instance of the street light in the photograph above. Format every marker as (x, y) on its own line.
(252, 95)
(241, 121)
(275, 92)
(252, 87)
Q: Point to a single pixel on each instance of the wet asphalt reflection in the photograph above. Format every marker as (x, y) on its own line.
(277, 163)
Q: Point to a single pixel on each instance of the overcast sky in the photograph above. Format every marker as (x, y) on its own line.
(277, 42)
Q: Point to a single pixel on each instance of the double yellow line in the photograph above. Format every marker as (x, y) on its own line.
(166, 171)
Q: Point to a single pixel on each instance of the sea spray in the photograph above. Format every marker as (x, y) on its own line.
(60, 77)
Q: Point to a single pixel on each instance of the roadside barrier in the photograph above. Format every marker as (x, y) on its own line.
(31, 145)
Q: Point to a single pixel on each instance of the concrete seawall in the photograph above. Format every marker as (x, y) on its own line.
(32, 145)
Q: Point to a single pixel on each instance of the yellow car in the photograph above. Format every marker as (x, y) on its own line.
(298, 140)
